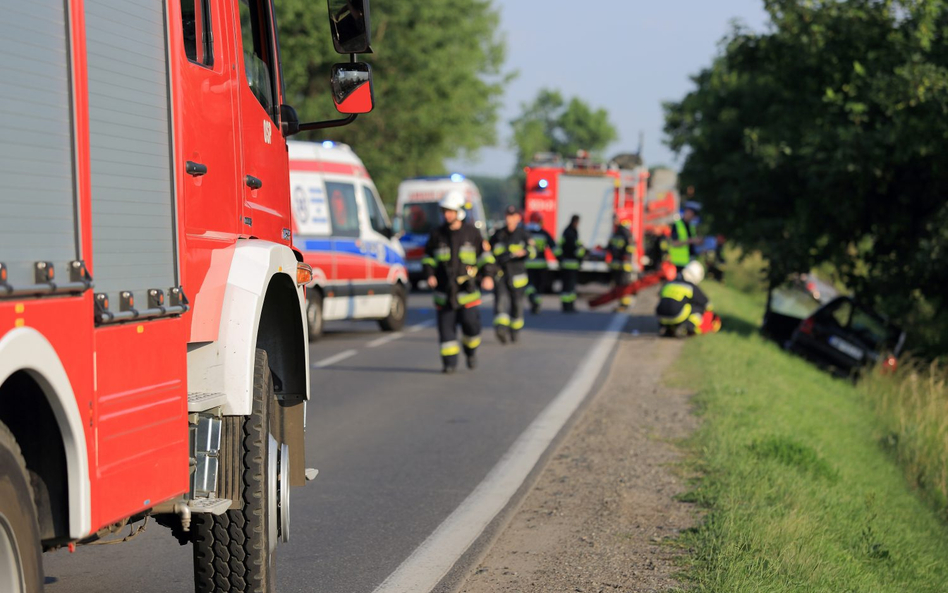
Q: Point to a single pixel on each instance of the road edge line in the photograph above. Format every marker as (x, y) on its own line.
(430, 562)
(334, 359)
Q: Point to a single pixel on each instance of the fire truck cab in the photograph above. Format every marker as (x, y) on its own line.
(153, 351)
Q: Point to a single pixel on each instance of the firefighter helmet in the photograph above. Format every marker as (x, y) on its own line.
(454, 200)
(693, 272)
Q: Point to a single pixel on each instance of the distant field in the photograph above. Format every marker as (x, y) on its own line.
(800, 491)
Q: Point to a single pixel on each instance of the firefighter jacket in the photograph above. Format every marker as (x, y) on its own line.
(570, 250)
(681, 231)
(680, 301)
(504, 244)
(458, 261)
(541, 240)
(622, 249)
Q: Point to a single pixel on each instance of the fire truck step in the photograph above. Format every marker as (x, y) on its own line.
(215, 506)
(200, 401)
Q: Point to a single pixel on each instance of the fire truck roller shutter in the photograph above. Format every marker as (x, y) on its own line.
(226, 366)
(25, 349)
(133, 224)
(38, 199)
(592, 198)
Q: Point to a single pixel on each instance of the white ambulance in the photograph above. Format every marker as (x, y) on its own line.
(417, 213)
(341, 228)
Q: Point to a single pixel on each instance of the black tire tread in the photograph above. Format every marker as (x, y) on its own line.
(36, 580)
(390, 324)
(231, 552)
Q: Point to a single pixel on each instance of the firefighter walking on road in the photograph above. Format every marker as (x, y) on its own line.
(537, 266)
(511, 246)
(455, 262)
(622, 250)
(570, 253)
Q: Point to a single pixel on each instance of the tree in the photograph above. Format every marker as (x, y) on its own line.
(550, 124)
(820, 140)
(438, 82)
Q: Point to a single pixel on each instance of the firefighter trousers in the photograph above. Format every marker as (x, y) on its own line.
(448, 320)
(536, 285)
(568, 295)
(622, 278)
(508, 304)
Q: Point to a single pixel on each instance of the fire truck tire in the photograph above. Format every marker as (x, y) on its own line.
(235, 551)
(314, 315)
(21, 564)
(396, 317)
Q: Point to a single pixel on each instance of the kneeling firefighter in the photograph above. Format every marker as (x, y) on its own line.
(455, 262)
(683, 309)
(511, 246)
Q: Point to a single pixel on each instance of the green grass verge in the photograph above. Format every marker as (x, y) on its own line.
(799, 492)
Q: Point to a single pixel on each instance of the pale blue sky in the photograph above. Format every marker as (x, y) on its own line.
(624, 55)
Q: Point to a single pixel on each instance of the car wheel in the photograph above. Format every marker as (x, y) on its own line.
(21, 565)
(314, 315)
(398, 312)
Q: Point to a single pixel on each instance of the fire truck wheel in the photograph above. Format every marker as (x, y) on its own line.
(396, 316)
(314, 315)
(234, 551)
(21, 565)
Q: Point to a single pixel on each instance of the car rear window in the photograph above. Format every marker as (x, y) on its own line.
(421, 217)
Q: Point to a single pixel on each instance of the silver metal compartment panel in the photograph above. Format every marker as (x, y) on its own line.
(133, 224)
(593, 199)
(38, 197)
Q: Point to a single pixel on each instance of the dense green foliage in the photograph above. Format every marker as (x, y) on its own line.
(821, 140)
(551, 124)
(438, 75)
(799, 493)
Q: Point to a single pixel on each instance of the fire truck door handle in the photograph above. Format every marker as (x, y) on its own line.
(195, 169)
(252, 182)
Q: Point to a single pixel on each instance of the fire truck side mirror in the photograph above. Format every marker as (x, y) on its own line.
(352, 88)
(289, 121)
(350, 26)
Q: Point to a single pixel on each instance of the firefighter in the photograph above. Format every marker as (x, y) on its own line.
(511, 246)
(683, 309)
(456, 258)
(537, 265)
(684, 236)
(622, 249)
(570, 253)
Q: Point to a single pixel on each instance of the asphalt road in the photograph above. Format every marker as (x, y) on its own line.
(399, 446)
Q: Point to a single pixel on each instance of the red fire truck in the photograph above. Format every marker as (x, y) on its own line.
(558, 188)
(153, 351)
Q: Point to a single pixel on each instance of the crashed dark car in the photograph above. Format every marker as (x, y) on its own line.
(846, 337)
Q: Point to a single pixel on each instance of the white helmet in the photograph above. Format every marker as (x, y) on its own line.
(454, 200)
(693, 272)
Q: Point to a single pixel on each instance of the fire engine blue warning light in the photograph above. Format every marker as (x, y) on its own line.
(457, 178)
(544, 184)
(328, 144)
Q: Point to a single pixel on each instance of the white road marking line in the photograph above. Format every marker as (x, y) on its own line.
(385, 340)
(432, 560)
(334, 359)
(420, 326)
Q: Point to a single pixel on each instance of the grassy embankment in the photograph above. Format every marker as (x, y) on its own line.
(802, 489)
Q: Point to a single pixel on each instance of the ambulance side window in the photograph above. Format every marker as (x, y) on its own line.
(258, 51)
(196, 22)
(376, 217)
(343, 209)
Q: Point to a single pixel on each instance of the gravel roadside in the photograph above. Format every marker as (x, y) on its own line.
(601, 510)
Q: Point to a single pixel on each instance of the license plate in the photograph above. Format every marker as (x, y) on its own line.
(846, 348)
(414, 266)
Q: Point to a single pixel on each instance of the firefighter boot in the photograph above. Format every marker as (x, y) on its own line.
(515, 326)
(472, 360)
(535, 303)
(501, 331)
